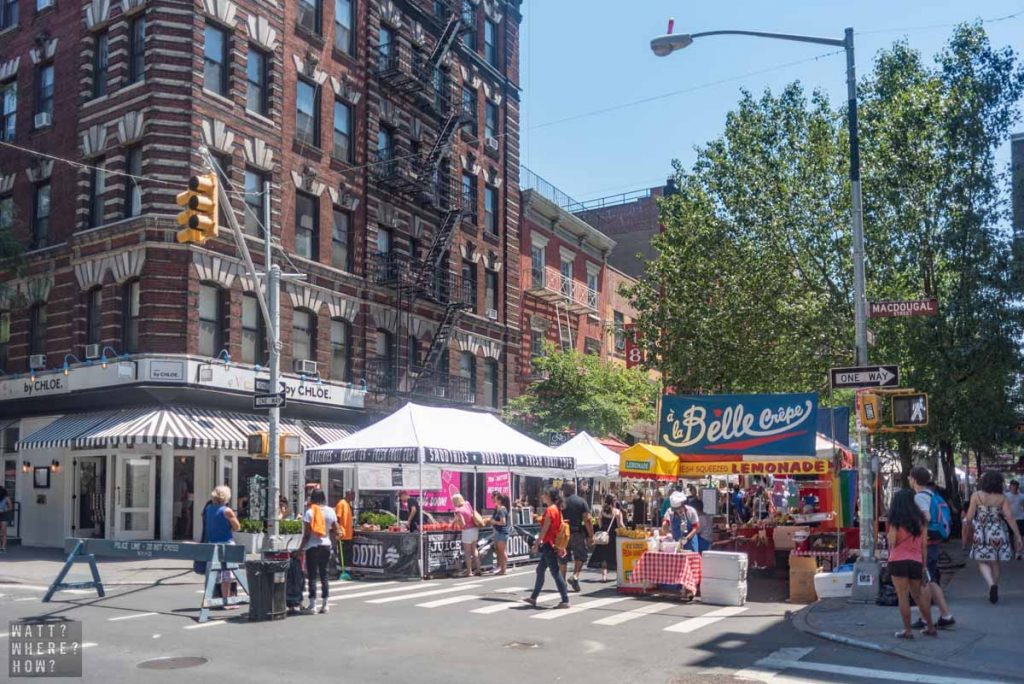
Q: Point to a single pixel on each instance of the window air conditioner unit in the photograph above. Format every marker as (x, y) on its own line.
(491, 143)
(92, 351)
(37, 362)
(304, 367)
(492, 314)
(43, 119)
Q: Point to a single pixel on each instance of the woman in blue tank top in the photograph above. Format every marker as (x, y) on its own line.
(220, 523)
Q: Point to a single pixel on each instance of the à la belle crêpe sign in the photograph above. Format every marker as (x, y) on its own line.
(755, 424)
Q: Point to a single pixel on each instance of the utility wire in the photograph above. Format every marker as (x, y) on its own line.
(932, 27)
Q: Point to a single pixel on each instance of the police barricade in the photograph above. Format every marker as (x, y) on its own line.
(216, 557)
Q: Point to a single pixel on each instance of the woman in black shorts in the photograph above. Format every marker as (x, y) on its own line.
(907, 548)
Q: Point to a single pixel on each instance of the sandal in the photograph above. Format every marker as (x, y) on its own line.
(905, 634)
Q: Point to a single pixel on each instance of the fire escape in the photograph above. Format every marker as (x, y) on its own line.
(417, 79)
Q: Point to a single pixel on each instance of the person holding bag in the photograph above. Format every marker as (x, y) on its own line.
(319, 534)
(499, 521)
(604, 540)
(469, 522)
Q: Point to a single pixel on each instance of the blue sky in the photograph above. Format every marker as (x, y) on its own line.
(582, 56)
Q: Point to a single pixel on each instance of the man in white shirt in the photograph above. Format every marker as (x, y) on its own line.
(921, 481)
(1016, 500)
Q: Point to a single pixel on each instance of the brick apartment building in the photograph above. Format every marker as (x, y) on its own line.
(387, 134)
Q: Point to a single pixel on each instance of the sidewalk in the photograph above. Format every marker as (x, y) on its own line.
(39, 566)
(986, 638)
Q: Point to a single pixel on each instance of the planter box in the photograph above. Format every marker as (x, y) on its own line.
(253, 541)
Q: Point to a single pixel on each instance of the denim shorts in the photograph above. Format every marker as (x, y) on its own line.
(501, 536)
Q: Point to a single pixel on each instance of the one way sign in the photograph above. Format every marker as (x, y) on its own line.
(865, 376)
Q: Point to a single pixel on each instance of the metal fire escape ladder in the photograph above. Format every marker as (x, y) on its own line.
(438, 345)
(445, 41)
(444, 138)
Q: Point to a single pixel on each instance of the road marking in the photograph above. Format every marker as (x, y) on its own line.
(447, 601)
(376, 592)
(30, 598)
(355, 587)
(488, 610)
(693, 624)
(495, 578)
(648, 608)
(89, 644)
(15, 585)
(596, 603)
(767, 669)
(130, 617)
(511, 590)
(4, 635)
(210, 623)
(422, 594)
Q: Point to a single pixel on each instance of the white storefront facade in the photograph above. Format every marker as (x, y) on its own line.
(129, 448)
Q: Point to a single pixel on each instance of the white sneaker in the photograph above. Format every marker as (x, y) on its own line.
(307, 609)
(324, 608)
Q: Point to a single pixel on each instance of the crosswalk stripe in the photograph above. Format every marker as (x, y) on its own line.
(505, 605)
(89, 644)
(422, 594)
(496, 578)
(511, 590)
(130, 617)
(406, 586)
(448, 601)
(579, 608)
(693, 624)
(354, 587)
(209, 623)
(30, 598)
(626, 616)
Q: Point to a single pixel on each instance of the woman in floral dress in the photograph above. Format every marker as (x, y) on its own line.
(987, 526)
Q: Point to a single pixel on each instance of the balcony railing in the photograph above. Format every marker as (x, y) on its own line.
(383, 377)
(439, 284)
(552, 285)
(446, 387)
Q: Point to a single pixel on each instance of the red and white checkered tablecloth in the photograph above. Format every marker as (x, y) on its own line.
(669, 568)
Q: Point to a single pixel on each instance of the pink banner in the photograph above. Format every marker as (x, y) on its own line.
(497, 482)
(441, 501)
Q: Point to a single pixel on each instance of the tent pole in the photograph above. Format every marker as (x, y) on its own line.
(419, 513)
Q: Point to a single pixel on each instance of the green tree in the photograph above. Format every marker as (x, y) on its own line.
(579, 392)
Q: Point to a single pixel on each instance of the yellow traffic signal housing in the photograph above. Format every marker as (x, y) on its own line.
(289, 445)
(869, 409)
(199, 209)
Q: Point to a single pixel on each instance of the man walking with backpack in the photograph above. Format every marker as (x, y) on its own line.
(938, 517)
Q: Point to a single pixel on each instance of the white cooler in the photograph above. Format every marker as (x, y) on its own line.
(723, 565)
(723, 592)
(833, 584)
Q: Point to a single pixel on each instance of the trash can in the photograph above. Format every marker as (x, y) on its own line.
(266, 589)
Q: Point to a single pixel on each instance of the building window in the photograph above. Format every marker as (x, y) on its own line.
(254, 334)
(307, 113)
(490, 290)
(97, 191)
(37, 329)
(469, 23)
(211, 320)
(566, 270)
(592, 346)
(537, 266)
(44, 89)
(469, 283)
(491, 42)
(384, 241)
(469, 108)
(469, 193)
(255, 202)
(41, 216)
(619, 326)
(385, 351)
(215, 60)
(136, 49)
(130, 317)
(491, 210)
(491, 120)
(344, 20)
(222, 166)
(8, 14)
(341, 241)
(257, 81)
(10, 111)
(536, 343)
(342, 131)
(386, 48)
(94, 316)
(5, 339)
(311, 15)
(303, 335)
(132, 188)
(307, 225)
(385, 146)
(467, 371)
(414, 352)
(491, 382)
(341, 350)
(100, 57)
(6, 212)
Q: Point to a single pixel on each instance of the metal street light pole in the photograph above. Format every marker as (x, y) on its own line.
(867, 570)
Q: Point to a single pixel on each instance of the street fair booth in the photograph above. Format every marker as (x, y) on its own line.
(417, 444)
(593, 459)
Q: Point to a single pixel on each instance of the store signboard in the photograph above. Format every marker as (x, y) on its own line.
(444, 548)
(756, 424)
(772, 466)
(497, 482)
(629, 551)
(382, 554)
(393, 479)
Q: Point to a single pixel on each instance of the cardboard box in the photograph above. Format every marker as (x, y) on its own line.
(803, 564)
(782, 536)
(801, 585)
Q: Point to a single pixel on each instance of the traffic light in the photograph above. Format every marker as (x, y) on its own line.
(199, 209)
(910, 410)
(289, 445)
(869, 409)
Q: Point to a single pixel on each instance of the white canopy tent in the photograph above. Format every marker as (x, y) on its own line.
(593, 459)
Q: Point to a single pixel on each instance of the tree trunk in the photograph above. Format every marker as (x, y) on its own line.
(906, 453)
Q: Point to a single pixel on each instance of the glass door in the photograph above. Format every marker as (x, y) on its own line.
(136, 485)
(90, 496)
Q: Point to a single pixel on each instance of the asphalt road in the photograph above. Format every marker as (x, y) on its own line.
(460, 630)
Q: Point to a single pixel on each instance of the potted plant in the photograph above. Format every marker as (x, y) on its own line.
(289, 534)
(251, 535)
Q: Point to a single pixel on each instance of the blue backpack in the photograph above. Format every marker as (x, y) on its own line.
(941, 518)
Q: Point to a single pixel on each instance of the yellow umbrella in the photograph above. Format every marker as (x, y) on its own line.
(648, 461)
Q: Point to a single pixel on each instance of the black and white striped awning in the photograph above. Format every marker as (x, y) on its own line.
(248, 423)
(182, 426)
(62, 432)
(326, 433)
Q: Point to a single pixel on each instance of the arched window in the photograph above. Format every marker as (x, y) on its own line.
(130, 317)
(211, 320)
(341, 350)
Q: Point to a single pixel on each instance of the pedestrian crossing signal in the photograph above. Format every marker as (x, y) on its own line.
(910, 410)
(199, 209)
(869, 409)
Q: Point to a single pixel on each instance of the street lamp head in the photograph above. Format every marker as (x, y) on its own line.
(663, 46)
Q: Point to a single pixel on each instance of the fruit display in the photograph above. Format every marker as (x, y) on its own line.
(627, 533)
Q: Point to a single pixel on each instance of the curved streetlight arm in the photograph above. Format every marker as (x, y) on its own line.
(778, 36)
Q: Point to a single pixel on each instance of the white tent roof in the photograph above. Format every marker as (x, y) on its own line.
(452, 439)
(593, 459)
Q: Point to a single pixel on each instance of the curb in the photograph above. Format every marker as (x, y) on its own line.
(799, 621)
